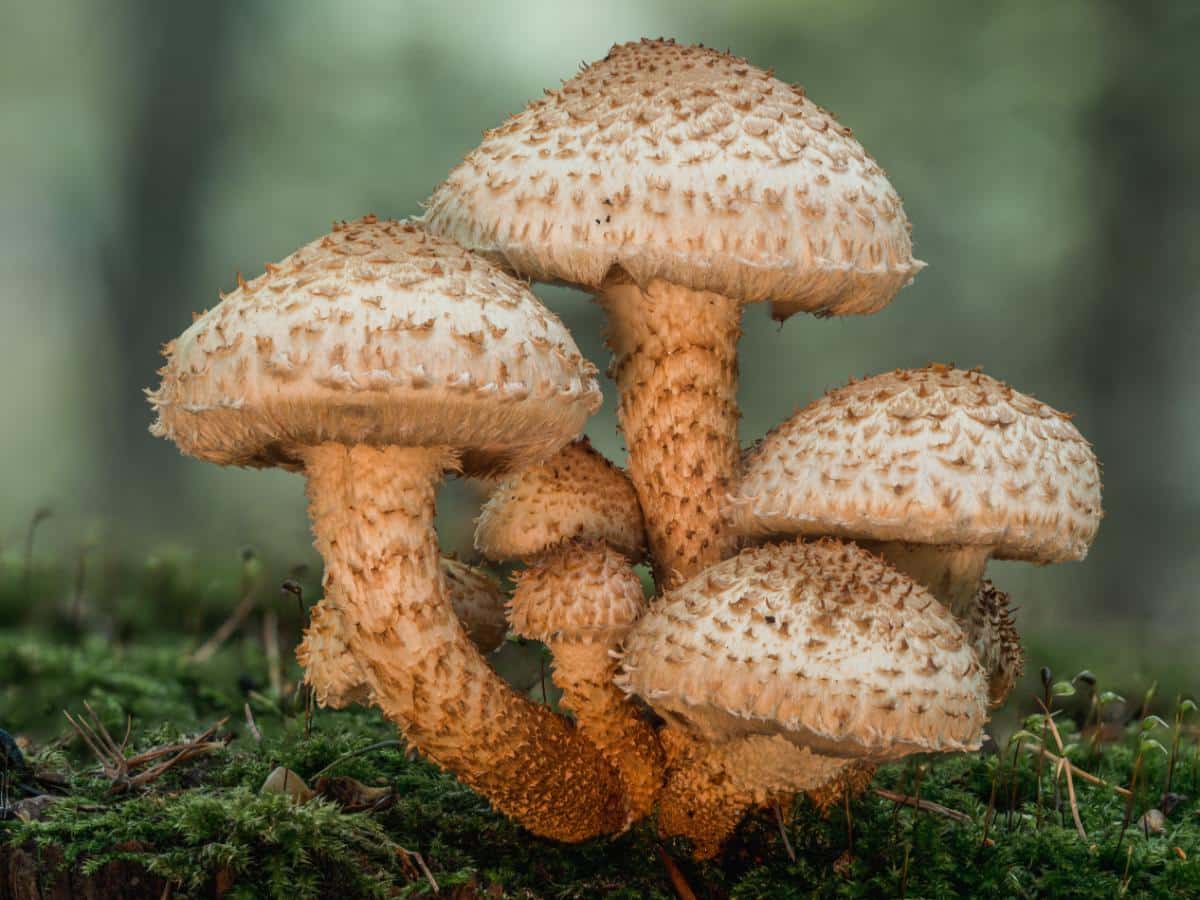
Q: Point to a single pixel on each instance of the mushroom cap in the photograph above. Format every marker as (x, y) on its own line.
(377, 333)
(928, 456)
(686, 164)
(576, 494)
(578, 591)
(820, 642)
(478, 601)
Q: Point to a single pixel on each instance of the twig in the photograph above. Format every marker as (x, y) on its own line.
(1064, 765)
(252, 725)
(411, 855)
(228, 627)
(353, 753)
(918, 803)
(682, 889)
(787, 843)
(1079, 773)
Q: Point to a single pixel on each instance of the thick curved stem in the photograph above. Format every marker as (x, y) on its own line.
(698, 801)
(675, 366)
(584, 671)
(372, 513)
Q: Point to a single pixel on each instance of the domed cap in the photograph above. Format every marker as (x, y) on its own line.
(377, 333)
(821, 642)
(478, 601)
(689, 165)
(930, 456)
(577, 592)
(576, 494)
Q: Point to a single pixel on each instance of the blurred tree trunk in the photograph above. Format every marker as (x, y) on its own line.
(1145, 134)
(180, 70)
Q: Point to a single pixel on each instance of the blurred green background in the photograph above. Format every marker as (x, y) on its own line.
(1046, 153)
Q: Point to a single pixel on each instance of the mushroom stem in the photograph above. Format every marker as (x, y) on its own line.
(952, 573)
(372, 512)
(584, 671)
(675, 366)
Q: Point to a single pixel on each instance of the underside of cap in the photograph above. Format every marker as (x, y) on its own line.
(576, 494)
(690, 165)
(377, 333)
(820, 642)
(932, 456)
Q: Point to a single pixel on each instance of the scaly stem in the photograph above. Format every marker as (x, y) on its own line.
(675, 366)
(372, 512)
(584, 671)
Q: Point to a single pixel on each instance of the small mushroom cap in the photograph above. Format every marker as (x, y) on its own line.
(377, 333)
(993, 634)
(690, 165)
(821, 642)
(577, 592)
(576, 494)
(478, 601)
(929, 456)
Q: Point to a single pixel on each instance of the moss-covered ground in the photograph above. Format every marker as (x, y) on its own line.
(995, 829)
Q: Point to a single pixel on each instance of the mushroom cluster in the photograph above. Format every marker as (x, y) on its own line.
(818, 603)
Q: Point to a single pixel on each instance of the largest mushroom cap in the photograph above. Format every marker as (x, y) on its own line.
(689, 165)
(930, 456)
(822, 643)
(380, 334)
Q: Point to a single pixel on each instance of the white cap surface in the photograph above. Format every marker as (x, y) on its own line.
(690, 165)
(820, 642)
(377, 333)
(929, 456)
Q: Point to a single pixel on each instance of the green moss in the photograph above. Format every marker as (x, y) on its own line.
(205, 820)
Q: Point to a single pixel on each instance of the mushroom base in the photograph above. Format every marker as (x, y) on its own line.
(610, 720)
(675, 366)
(372, 512)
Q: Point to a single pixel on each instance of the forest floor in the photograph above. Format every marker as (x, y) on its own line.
(1004, 823)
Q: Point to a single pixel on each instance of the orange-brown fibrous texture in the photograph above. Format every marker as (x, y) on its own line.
(580, 600)
(675, 366)
(381, 334)
(334, 673)
(930, 456)
(698, 801)
(990, 628)
(690, 165)
(576, 494)
(846, 784)
(820, 642)
(372, 511)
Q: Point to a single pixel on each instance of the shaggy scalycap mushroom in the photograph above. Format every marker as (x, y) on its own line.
(993, 634)
(938, 468)
(822, 643)
(576, 494)
(679, 183)
(377, 358)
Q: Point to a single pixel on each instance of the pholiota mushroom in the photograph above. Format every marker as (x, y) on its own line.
(800, 657)
(936, 469)
(575, 520)
(679, 183)
(375, 359)
(335, 675)
(993, 635)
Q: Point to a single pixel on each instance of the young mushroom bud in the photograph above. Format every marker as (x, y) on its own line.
(812, 655)
(375, 360)
(990, 629)
(937, 469)
(678, 183)
(574, 518)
